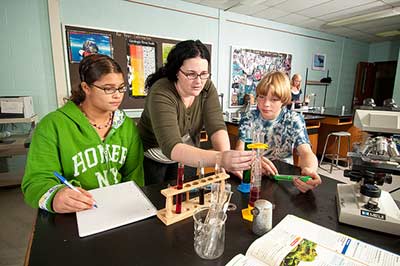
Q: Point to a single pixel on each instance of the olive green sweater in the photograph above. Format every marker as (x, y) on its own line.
(165, 119)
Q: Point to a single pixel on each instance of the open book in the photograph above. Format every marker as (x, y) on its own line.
(118, 205)
(295, 241)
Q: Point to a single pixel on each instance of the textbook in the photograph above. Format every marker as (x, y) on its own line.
(295, 241)
(118, 205)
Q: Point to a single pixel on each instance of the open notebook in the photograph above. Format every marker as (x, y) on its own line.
(118, 205)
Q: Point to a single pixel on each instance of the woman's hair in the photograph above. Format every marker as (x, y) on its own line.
(179, 53)
(92, 68)
(298, 76)
(278, 83)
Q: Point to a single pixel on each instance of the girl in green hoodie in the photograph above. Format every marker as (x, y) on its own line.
(89, 141)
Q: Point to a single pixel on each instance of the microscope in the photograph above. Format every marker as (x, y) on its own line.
(373, 163)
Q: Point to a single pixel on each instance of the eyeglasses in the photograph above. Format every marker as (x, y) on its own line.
(193, 75)
(121, 89)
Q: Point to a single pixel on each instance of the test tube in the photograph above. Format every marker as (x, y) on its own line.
(201, 189)
(255, 185)
(256, 170)
(249, 140)
(179, 185)
(247, 173)
(217, 168)
(244, 186)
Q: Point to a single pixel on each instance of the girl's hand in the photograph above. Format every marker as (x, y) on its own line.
(67, 200)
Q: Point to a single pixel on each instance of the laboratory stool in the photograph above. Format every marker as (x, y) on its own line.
(336, 156)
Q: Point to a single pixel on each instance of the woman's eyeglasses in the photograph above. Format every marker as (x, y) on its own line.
(193, 75)
(121, 89)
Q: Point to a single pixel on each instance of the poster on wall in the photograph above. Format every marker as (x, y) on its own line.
(248, 66)
(83, 43)
(166, 48)
(141, 59)
(319, 62)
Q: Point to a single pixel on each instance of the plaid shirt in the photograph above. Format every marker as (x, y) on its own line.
(282, 135)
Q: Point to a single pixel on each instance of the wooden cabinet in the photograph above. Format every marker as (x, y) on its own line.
(313, 134)
(334, 124)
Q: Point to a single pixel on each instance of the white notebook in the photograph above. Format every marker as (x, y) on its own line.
(118, 205)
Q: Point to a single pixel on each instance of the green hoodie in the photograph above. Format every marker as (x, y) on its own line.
(65, 141)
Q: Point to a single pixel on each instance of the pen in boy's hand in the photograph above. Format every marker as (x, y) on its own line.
(68, 184)
(291, 177)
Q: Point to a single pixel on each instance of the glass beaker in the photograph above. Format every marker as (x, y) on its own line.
(209, 234)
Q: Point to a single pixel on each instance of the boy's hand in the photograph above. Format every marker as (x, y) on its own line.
(310, 184)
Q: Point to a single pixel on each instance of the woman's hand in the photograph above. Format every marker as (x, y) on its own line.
(234, 161)
(67, 200)
(238, 174)
(310, 184)
(268, 167)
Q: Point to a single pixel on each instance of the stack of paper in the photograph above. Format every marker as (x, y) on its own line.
(118, 205)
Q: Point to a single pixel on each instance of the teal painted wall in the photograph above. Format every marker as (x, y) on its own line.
(230, 29)
(396, 90)
(301, 47)
(353, 52)
(25, 52)
(123, 16)
(27, 67)
(384, 51)
(227, 30)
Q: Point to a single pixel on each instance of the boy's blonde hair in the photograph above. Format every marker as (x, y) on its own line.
(279, 84)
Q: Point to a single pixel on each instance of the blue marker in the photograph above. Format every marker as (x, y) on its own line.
(68, 184)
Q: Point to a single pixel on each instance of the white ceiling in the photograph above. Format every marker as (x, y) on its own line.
(314, 14)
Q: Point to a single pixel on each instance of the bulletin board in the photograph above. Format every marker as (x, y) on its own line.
(138, 55)
(248, 66)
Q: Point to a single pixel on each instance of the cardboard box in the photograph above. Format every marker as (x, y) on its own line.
(16, 107)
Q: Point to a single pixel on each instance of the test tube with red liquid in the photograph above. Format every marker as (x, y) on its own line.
(179, 185)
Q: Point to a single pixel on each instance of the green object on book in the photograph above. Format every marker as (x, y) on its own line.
(291, 177)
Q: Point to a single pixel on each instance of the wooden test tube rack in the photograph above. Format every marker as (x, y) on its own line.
(168, 215)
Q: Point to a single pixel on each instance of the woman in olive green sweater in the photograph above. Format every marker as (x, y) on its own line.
(183, 100)
(88, 140)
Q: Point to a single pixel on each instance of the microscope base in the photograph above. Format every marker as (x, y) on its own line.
(351, 210)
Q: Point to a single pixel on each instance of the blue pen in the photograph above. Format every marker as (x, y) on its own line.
(68, 184)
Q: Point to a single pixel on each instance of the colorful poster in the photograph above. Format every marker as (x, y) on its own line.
(249, 66)
(83, 43)
(166, 48)
(141, 60)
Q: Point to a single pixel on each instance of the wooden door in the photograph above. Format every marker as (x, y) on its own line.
(364, 83)
(385, 73)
